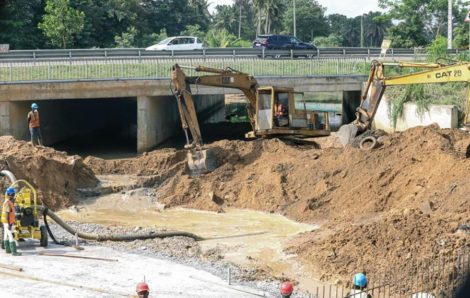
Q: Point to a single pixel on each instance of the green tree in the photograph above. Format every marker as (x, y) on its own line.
(420, 21)
(61, 22)
(274, 11)
(19, 23)
(375, 28)
(225, 17)
(338, 25)
(330, 41)
(437, 49)
(228, 17)
(220, 39)
(310, 20)
(126, 39)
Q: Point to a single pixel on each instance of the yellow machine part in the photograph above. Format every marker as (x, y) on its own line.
(26, 198)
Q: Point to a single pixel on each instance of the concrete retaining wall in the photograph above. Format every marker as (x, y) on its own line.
(444, 115)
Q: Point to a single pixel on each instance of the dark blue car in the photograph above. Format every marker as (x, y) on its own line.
(283, 42)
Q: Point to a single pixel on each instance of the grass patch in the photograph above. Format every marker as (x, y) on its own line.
(160, 68)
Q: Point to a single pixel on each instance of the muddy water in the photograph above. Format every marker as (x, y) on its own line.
(244, 237)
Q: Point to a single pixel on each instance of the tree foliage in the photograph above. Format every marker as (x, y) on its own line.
(140, 23)
(419, 21)
(18, 23)
(310, 20)
(61, 23)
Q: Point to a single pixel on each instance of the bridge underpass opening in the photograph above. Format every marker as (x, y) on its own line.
(100, 127)
(220, 118)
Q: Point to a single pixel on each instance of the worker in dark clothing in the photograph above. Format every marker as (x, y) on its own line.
(34, 126)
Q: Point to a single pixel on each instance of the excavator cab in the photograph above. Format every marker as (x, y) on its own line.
(281, 111)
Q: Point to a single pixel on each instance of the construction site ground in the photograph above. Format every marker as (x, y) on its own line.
(274, 211)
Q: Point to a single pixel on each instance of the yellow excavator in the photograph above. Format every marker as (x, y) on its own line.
(273, 111)
(377, 82)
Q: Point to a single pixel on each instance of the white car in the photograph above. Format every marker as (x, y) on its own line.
(177, 43)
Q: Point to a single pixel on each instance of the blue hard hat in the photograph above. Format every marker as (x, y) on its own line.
(11, 191)
(34, 106)
(360, 280)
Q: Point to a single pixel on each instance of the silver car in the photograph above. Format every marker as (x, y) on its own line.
(176, 43)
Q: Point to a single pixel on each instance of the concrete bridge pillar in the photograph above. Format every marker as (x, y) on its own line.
(5, 122)
(351, 100)
(13, 119)
(157, 120)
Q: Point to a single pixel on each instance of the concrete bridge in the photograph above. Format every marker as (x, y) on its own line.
(144, 108)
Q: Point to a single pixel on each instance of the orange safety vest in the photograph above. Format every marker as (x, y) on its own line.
(33, 117)
(11, 215)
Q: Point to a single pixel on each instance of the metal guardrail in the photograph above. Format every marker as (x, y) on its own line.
(207, 52)
(151, 67)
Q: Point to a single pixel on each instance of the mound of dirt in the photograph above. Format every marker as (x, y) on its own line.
(380, 208)
(377, 208)
(160, 162)
(56, 175)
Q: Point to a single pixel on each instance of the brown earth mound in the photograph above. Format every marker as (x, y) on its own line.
(377, 209)
(56, 175)
(160, 162)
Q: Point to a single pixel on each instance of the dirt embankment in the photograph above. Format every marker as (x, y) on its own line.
(385, 208)
(56, 175)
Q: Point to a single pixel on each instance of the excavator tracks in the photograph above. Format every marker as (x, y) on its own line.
(463, 148)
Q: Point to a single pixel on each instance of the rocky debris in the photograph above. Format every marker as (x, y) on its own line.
(56, 175)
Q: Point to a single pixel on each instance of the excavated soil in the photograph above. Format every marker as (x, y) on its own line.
(382, 209)
(57, 176)
(386, 208)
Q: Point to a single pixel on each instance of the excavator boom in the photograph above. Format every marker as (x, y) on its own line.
(377, 82)
(202, 160)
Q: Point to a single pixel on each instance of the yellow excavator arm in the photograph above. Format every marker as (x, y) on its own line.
(199, 159)
(224, 78)
(377, 82)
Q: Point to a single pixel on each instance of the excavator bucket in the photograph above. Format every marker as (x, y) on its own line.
(201, 161)
(347, 133)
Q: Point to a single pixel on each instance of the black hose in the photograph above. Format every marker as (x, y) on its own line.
(114, 237)
(49, 229)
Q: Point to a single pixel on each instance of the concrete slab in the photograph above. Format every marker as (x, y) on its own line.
(49, 276)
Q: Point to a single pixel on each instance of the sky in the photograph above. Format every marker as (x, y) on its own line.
(350, 8)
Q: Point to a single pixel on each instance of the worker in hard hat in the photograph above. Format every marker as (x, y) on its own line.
(286, 289)
(142, 290)
(8, 220)
(359, 287)
(34, 126)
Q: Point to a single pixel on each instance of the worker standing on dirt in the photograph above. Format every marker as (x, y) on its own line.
(8, 220)
(33, 123)
(359, 286)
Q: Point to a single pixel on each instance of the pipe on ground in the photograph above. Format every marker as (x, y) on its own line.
(114, 237)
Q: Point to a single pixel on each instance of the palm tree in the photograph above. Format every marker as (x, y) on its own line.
(273, 10)
(258, 6)
(376, 27)
(225, 18)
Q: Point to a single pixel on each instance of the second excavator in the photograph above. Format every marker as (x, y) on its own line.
(429, 73)
(273, 111)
